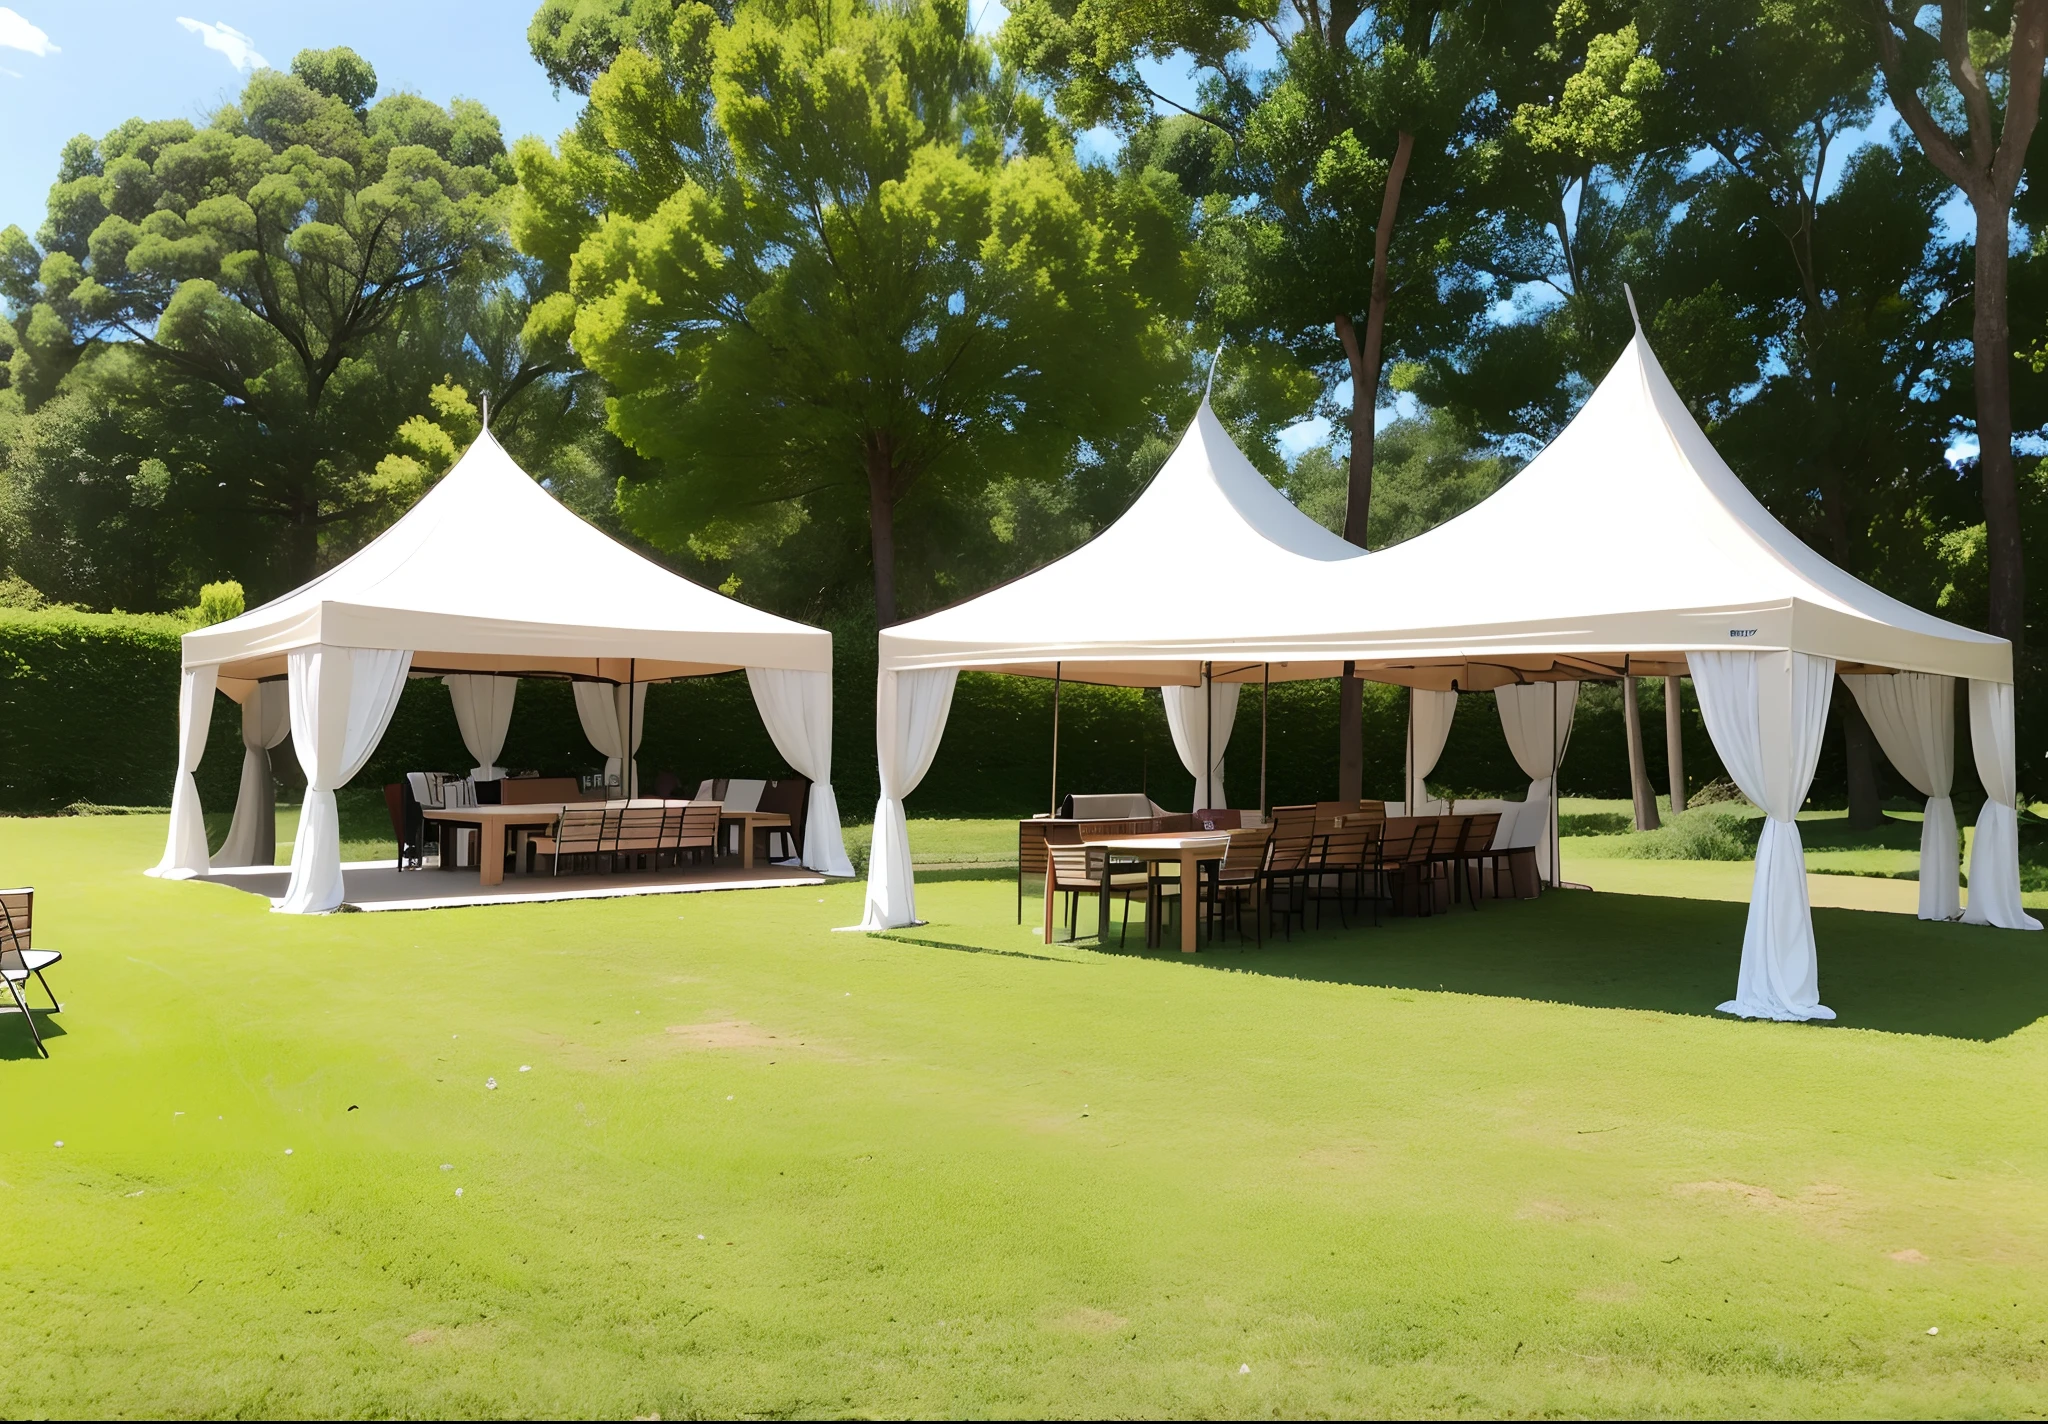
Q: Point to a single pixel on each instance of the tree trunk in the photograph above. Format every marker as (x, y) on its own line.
(1991, 339)
(1350, 738)
(1365, 358)
(882, 527)
(1638, 765)
(1866, 806)
(302, 542)
(1674, 740)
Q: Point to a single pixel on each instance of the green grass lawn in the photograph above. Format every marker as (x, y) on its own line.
(1504, 1162)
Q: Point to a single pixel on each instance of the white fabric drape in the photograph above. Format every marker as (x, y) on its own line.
(602, 709)
(252, 836)
(342, 700)
(1537, 720)
(185, 846)
(1200, 719)
(796, 707)
(483, 712)
(1429, 727)
(1913, 715)
(910, 716)
(1995, 848)
(1766, 713)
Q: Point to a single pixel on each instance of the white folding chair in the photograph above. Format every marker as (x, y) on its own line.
(18, 959)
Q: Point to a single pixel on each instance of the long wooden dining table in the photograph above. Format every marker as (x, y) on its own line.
(492, 822)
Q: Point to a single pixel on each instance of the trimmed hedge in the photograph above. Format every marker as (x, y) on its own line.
(88, 706)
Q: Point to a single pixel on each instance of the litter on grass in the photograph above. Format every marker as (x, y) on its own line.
(490, 1082)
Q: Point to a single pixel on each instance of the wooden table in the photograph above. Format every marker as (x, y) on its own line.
(1189, 848)
(491, 823)
(749, 823)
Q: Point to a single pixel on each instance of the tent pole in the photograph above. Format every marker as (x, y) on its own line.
(1674, 742)
(1208, 736)
(1556, 849)
(1054, 808)
(632, 687)
(1265, 693)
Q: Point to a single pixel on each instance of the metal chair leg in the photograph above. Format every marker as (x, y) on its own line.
(27, 1018)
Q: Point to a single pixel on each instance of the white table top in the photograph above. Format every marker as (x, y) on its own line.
(1169, 845)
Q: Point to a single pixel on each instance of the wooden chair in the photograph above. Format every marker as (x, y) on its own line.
(634, 835)
(1349, 852)
(19, 958)
(694, 828)
(1293, 843)
(580, 833)
(1403, 862)
(791, 795)
(1238, 877)
(1474, 841)
(1075, 870)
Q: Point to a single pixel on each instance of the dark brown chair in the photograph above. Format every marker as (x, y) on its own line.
(1349, 854)
(791, 795)
(1238, 877)
(1474, 842)
(408, 824)
(1293, 842)
(1403, 862)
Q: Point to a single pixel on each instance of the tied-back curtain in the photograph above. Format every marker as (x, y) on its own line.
(1995, 848)
(1429, 727)
(796, 707)
(1201, 718)
(602, 709)
(185, 847)
(342, 700)
(252, 836)
(1537, 721)
(1766, 713)
(483, 713)
(1913, 715)
(910, 716)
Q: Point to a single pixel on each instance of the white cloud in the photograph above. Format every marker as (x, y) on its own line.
(238, 47)
(18, 33)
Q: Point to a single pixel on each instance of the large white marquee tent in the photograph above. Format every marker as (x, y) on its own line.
(1627, 547)
(486, 580)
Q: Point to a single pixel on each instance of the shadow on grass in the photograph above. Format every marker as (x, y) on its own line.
(15, 1042)
(1891, 973)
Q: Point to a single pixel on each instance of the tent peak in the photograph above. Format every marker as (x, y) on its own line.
(1633, 314)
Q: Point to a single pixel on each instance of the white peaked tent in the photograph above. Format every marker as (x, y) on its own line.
(1202, 566)
(486, 580)
(1627, 547)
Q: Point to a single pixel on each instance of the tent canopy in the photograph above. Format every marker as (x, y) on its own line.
(489, 573)
(1623, 546)
(1208, 557)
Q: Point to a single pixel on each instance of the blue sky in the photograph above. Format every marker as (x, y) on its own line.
(103, 61)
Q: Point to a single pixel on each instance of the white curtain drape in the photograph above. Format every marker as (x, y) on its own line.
(1913, 715)
(185, 846)
(1200, 718)
(1429, 727)
(910, 716)
(602, 709)
(252, 836)
(1766, 713)
(342, 700)
(1537, 720)
(1995, 848)
(796, 707)
(483, 712)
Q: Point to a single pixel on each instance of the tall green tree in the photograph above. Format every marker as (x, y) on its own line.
(1969, 89)
(1338, 225)
(833, 264)
(268, 266)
